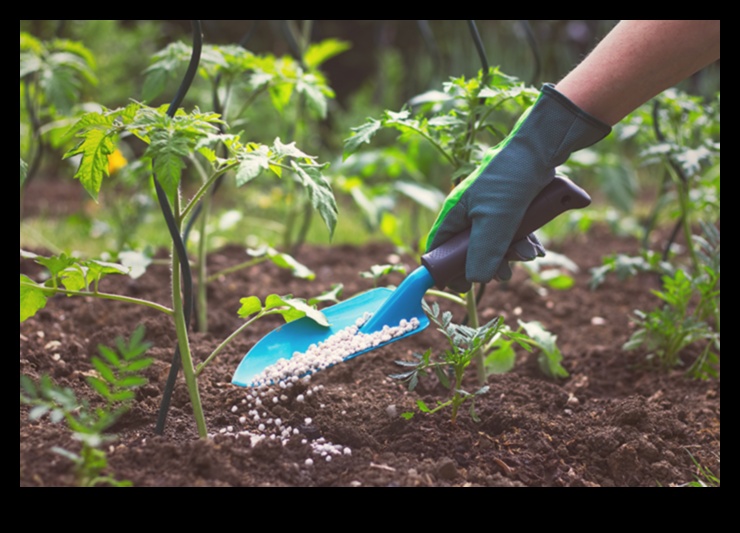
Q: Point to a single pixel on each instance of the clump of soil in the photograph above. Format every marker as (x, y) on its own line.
(613, 422)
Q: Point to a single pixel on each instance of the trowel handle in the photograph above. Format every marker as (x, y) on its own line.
(447, 261)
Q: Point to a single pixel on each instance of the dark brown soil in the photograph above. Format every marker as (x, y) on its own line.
(612, 422)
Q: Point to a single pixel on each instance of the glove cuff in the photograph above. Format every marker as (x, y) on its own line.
(561, 126)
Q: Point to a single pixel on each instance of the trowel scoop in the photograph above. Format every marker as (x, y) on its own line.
(387, 307)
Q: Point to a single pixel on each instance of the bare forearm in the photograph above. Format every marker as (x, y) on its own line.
(637, 60)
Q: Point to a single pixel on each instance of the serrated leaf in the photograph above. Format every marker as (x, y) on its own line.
(502, 358)
(288, 150)
(549, 360)
(361, 135)
(32, 298)
(315, 97)
(94, 149)
(319, 192)
(167, 151)
(74, 278)
(251, 165)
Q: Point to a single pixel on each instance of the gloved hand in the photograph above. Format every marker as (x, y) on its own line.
(494, 198)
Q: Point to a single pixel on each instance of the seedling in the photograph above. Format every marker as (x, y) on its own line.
(690, 311)
(464, 344)
(119, 374)
(237, 79)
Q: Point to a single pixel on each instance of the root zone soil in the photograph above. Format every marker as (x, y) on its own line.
(612, 422)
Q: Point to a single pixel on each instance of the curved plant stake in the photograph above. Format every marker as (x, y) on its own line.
(177, 239)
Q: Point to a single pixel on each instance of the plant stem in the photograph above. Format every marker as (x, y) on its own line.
(184, 343)
(226, 341)
(448, 296)
(204, 189)
(240, 266)
(102, 295)
(474, 322)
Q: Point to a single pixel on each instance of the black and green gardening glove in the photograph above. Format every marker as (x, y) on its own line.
(493, 199)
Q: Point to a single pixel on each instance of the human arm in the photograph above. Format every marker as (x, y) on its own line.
(637, 60)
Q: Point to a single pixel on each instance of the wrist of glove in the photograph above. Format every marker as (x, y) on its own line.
(493, 199)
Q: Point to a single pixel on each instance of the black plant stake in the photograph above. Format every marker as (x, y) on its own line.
(177, 240)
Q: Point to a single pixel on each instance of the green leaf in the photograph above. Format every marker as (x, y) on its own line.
(289, 150)
(139, 364)
(131, 382)
(319, 192)
(361, 135)
(250, 305)
(32, 298)
(315, 93)
(74, 278)
(502, 358)
(283, 260)
(318, 53)
(100, 386)
(167, 151)
(332, 295)
(422, 406)
(550, 358)
(251, 165)
(104, 370)
(294, 308)
(94, 149)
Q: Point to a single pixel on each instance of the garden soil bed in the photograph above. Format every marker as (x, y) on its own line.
(612, 422)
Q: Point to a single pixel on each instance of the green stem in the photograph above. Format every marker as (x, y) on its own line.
(448, 296)
(102, 295)
(226, 341)
(200, 193)
(474, 322)
(183, 341)
(435, 144)
(240, 266)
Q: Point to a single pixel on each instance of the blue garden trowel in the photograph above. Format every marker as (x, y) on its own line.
(389, 307)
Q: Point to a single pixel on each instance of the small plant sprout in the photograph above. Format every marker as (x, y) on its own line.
(118, 375)
(465, 344)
